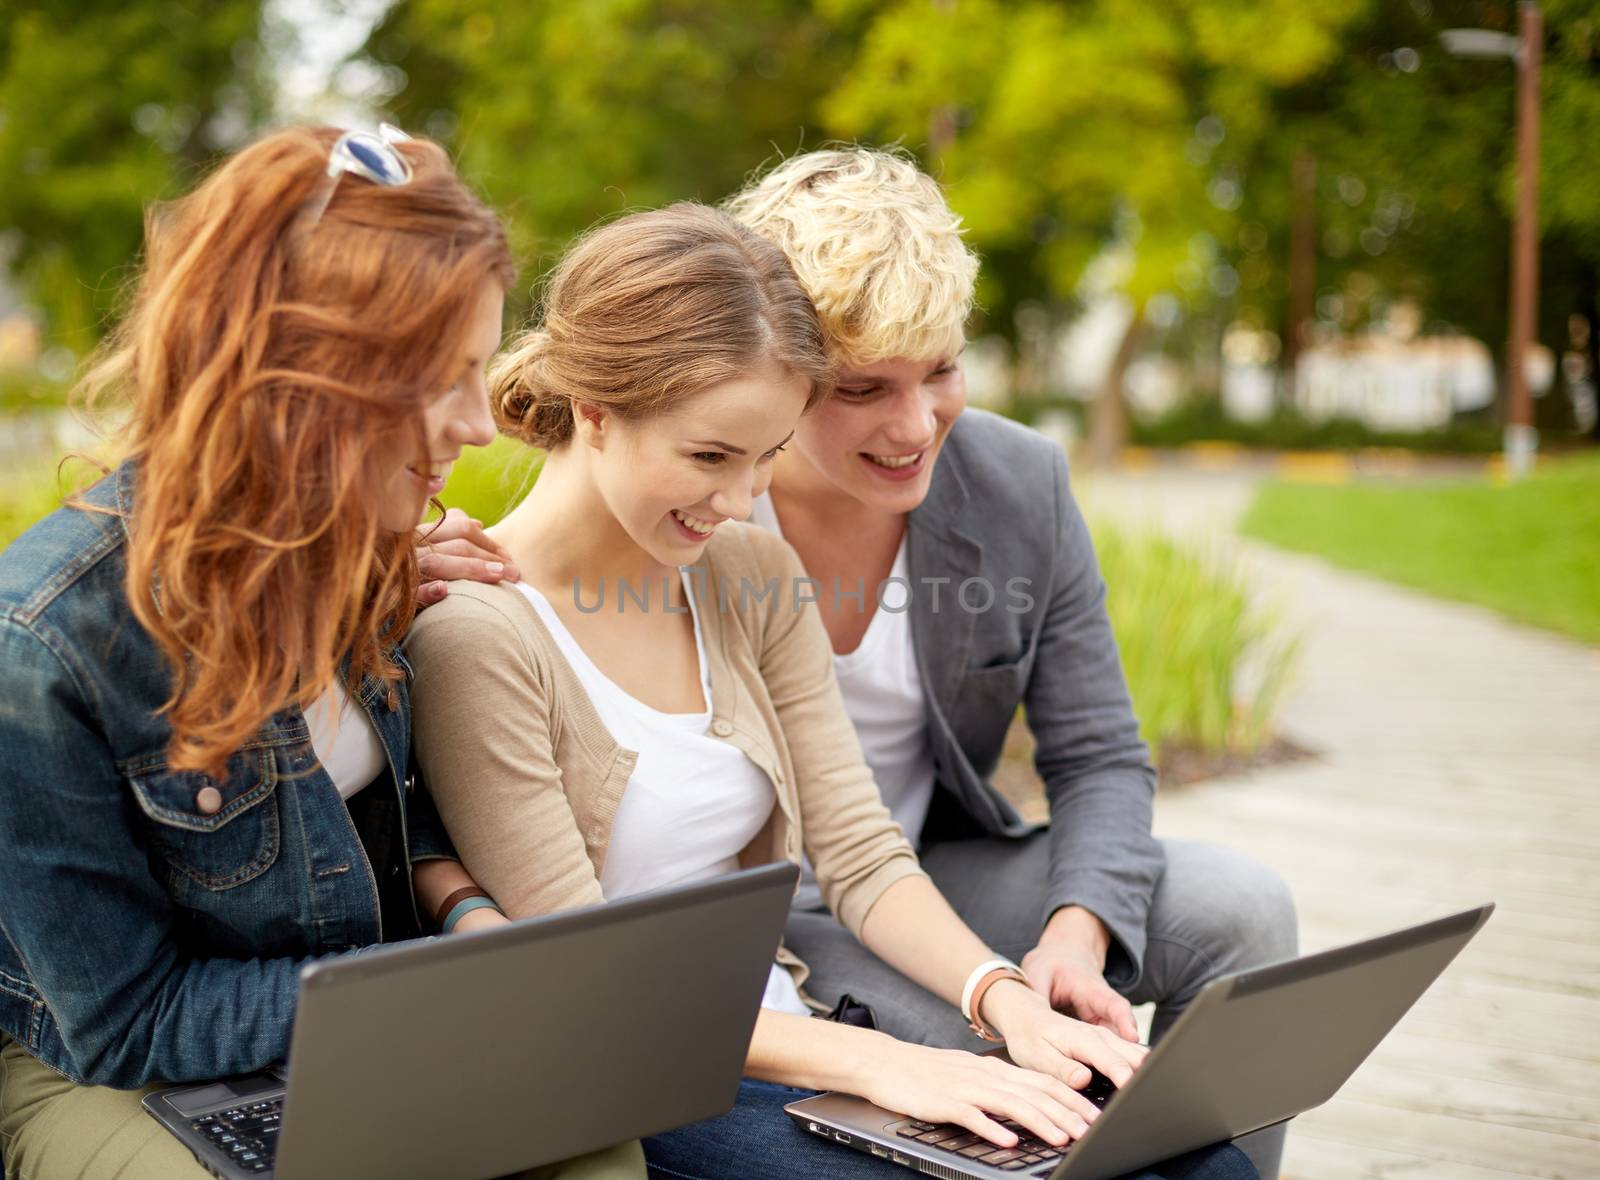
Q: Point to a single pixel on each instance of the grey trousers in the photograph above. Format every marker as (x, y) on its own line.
(1214, 911)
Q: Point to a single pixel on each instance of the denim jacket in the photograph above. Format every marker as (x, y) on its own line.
(141, 938)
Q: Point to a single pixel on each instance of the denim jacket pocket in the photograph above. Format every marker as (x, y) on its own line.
(218, 850)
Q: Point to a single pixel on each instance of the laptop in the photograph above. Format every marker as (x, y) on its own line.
(490, 1052)
(1254, 1048)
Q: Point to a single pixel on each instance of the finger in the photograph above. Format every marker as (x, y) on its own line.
(431, 592)
(1065, 1108)
(1065, 1097)
(465, 547)
(456, 525)
(1108, 1053)
(1112, 1012)
(1124, 1024)
(1057, 1125)
(975, 1120)
(1132, 1051)
(428, 561)
(1063, 1064)
(445, 526)
(1082, 1046)
(1112, 1025)
(453, 569)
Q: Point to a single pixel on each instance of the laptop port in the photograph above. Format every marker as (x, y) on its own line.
(879, 1151)
(841, 1137)
(817, 1129)
(902, 1158)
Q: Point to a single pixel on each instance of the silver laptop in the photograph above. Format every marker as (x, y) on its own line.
(1254, 1048)
(490, 1052)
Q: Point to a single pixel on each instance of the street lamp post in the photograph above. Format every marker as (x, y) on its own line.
(1527, 50)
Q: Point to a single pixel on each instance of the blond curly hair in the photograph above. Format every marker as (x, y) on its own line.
(875, 245)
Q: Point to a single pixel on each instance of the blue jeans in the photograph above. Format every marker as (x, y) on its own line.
(757, 1141)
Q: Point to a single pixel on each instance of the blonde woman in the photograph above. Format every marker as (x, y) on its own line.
(655, 702)
(958, 582)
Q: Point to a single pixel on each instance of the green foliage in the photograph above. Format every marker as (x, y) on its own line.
(1059, 127)
(1415, 154)
(22, 390)
(1206, 666)
(105, 107)
(566, 113)
(487, 482)
(1530, 550)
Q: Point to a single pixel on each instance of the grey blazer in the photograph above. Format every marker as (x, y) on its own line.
(999, 510)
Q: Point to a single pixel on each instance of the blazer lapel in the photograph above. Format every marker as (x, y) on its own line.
(943, 543)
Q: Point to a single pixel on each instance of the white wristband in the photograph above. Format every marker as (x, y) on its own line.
(978, 973)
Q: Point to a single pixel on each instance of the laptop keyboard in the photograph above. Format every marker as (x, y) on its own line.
(1030, 1150)
(247, 1134)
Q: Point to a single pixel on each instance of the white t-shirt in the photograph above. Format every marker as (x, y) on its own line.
(692, 803)
(883, 695)
(344, 741)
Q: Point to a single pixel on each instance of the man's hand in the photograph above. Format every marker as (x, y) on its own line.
(456, 547)
(1067, 969)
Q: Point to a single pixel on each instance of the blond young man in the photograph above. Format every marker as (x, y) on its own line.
(957, 583)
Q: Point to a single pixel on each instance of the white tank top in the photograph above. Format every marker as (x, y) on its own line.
(344, 741)
(693, 801)
(883, 694)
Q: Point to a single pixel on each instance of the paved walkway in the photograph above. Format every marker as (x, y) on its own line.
(1459, 762)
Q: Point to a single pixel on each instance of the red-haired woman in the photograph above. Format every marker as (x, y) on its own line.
(202, 687)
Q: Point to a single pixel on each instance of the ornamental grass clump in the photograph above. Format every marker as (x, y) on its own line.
(1206, 663)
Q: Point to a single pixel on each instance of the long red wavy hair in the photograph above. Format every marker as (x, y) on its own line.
(269, 361)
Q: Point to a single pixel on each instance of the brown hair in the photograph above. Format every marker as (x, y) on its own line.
(650, 309)
(269, 361)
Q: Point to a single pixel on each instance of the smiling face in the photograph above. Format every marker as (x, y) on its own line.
(878, 435)
(671, 479)
(456, 418)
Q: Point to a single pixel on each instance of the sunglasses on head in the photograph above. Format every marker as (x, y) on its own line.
(360, 153)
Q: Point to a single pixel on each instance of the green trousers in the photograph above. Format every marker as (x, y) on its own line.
(54, 1129)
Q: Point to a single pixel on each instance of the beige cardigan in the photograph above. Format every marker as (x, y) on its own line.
(528, 779)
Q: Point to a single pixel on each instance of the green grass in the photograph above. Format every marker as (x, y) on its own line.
(1530, 550)
(35, 489)
(1206, 665)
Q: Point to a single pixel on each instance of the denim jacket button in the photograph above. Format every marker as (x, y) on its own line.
(208, 801)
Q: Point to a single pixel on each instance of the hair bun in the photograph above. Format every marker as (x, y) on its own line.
(524, 404)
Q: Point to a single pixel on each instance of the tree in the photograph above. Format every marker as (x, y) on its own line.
(104, 107)
(1078, 126)
(1415, 158)
(566, 113)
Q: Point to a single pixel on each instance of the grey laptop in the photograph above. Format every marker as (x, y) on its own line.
(1253, 1049)
(487, 1053)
